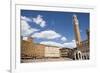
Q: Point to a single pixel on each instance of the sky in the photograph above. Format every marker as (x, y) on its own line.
(53, 28)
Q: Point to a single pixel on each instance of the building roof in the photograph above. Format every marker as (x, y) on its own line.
(40, 44)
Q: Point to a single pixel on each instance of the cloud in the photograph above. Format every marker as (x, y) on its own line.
(40, 21)
(47, 34)
(64, 39)
(26, 18)
(26, 30)
(51, 43)
(71, 44)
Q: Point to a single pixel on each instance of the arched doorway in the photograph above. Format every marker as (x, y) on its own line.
(84, 57)
(78, 55)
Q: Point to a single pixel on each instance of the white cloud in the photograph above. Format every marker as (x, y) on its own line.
(43, 23)
(26, 30)
(51, 43)
(25, 18)
(40, 21)
(49, 34)
(73, 40)
(64, 39)
(71, 44)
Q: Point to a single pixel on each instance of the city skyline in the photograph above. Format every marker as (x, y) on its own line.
(53, 28)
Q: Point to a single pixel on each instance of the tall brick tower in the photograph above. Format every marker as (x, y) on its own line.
(77, 31)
